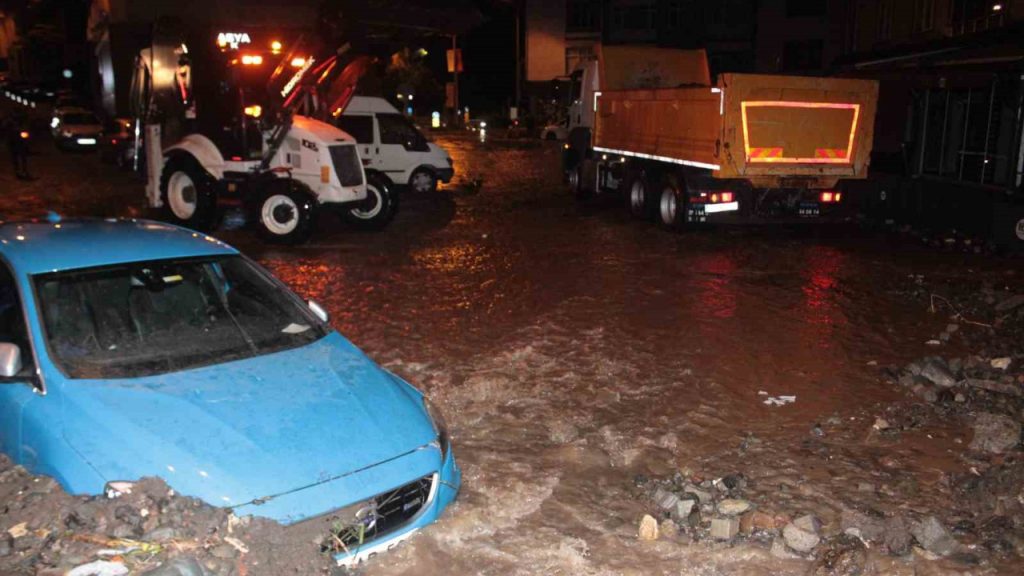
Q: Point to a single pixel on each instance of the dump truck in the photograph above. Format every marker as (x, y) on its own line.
(648, 124)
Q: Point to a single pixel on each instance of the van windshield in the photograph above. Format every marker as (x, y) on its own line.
(161, 316)
(396, 129)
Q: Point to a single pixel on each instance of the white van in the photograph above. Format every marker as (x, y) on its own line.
(390, 145)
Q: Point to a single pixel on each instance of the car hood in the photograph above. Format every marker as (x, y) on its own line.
(248, 429)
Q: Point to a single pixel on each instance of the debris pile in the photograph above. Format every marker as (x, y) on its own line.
(150, 530)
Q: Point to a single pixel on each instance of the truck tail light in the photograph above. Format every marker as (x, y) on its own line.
(727, 197)
(252, 59)
(255, 111)
(718, 197)
(829, 197)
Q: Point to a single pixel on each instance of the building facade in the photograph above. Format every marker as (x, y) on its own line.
(803, 37)
(949, 125)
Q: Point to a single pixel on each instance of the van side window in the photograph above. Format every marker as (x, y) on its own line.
(12, 321)
(359, 127)
(395, 129)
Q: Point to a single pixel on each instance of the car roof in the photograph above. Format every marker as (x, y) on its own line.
(370, 104)
(42, 246)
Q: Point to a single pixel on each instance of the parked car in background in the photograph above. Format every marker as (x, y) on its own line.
(133, 348)
(117, 144)
(390, 145)
(554, 132)
(76, 129)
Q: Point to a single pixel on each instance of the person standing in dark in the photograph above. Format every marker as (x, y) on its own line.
(18, 143)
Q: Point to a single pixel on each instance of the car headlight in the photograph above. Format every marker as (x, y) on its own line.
(440, 426)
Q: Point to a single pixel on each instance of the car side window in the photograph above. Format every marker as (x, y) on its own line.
(359, 127)
(12, 320)
(395, 129)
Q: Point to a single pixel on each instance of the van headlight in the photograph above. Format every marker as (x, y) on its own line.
(440, 426)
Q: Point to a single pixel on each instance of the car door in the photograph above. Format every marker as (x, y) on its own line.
(401, 146)
(15, 393)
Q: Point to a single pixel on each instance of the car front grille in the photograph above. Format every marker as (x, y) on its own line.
(346, 165)
(361, 523)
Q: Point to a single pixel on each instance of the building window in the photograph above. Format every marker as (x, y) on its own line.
(577, 55)
(967, 134)
(802, 55)
(582, 16)
(924, 15)
(800, 8)
(885, 13)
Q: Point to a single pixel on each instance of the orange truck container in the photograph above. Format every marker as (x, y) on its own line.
(749, 147)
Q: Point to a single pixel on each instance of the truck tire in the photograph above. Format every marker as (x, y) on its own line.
(187, 193)
(423, 181)
(574, 178)
(640, 199)
(672, 204)
(382, 204)
(285, 212)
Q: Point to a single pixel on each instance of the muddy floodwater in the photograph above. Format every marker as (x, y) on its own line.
(574, 349)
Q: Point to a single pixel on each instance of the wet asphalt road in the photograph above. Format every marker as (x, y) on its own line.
(574, 347)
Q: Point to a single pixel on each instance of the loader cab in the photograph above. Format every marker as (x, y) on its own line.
(391, 145)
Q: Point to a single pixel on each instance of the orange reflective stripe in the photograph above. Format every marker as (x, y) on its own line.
(757, 153)
(830, 153)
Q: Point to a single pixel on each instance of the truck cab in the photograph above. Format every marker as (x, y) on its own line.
(390, 145)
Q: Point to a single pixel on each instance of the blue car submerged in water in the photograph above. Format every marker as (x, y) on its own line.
(135, 348)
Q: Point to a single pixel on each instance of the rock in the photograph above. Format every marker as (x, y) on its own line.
(995, 386)
(701, 496)
(178, 567)
(799, 539)
(1010, 303)
(865, 487)
(99, 568)
(226, 551)
(664, 499)
(755, 520)
(780, 550)
(6, 544)
(934, 537)
(809, 523)
(682, 510)
(951, 328)
(648, 528)
(724, 528)
(995, 433)
(937, 372)
(668, 529)
(733, 507)
(880, 424)
(1001, 363)
(897, 536)
(161, 534)
(869, 528)
(845, 556)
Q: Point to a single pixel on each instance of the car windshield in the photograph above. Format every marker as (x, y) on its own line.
(149, 318)
(80, 118)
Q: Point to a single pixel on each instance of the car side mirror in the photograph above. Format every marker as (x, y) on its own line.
(318, 311)
(10, 360)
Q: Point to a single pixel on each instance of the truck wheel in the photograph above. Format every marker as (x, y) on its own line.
(380, 207)
(423, 181)
(672, 205)
(286, 212)
(639, 196)
(187, 193)
(575, 180)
